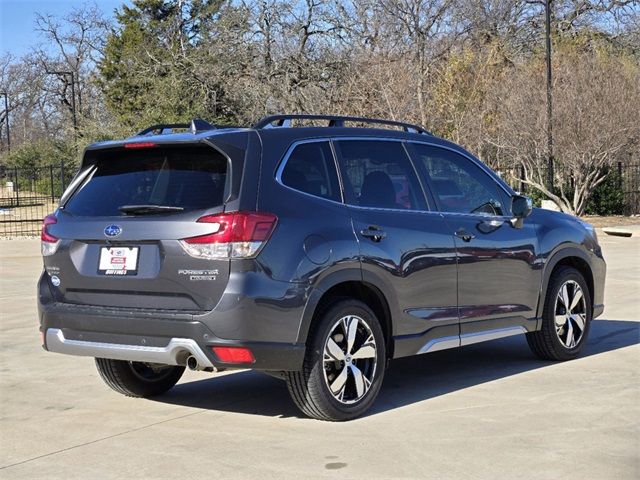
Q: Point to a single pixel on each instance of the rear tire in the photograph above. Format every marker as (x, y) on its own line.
(565, 328)
(137, 379)
(344, 364)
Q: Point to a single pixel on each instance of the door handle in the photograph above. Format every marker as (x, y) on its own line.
(374, 233)
(464, 235)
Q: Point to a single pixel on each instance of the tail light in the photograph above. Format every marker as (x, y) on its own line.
(49, 243)
(235, 235)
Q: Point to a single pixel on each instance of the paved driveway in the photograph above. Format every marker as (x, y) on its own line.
(484, 411)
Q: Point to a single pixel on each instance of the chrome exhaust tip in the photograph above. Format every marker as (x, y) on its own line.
(192, 363)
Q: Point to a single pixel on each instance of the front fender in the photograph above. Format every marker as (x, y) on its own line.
(595, 279)
(562, 236)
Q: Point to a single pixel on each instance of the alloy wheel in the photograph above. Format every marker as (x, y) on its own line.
(570, 314)
(349, 359)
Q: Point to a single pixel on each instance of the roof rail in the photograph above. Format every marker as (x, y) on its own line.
(275, 121)
(196, 125)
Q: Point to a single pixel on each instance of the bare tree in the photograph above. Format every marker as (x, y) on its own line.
(427, 29)
(73, 43)
(596, 115)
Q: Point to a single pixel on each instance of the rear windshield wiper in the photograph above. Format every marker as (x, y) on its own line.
(148, 209)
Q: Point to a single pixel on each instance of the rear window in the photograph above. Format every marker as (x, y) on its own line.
(191, 178)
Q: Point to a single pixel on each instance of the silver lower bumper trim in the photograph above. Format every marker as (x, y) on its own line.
(175, 353)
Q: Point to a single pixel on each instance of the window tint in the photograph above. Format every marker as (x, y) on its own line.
(458, 185)
(191, 178)
(379, 174)
(311, 169)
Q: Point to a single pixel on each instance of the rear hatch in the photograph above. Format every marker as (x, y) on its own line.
(118, 234)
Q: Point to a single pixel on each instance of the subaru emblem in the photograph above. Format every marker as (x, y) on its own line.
(112, 230)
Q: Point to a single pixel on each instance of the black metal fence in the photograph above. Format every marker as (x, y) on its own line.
(27, 195)
(629, 178)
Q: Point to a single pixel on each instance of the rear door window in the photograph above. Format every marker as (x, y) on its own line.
(311, 169)
(191, 178)
(379, 174)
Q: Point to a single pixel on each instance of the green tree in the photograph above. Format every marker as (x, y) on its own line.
(41, 153)
(152, 66)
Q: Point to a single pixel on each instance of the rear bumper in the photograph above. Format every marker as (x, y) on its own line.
(249, 314)
(160, 337)
(174, 353)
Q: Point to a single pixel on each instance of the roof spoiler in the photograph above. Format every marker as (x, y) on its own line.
(275, 121)
(197, 125)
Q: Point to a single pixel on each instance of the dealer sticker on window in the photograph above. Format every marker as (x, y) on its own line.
(118, 261)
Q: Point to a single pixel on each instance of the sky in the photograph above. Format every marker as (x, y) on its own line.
(17, 34)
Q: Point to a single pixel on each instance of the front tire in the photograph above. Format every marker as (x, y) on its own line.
(137, 379)
(566, 318)
(344, 365)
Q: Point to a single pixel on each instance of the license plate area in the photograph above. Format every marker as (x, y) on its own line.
(118, 261)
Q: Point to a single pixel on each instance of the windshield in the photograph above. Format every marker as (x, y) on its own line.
(190, 178)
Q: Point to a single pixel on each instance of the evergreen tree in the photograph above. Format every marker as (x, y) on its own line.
(151, 71)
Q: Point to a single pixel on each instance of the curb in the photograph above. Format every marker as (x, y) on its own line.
(621, 232)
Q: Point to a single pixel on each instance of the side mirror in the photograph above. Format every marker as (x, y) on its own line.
(521, 208)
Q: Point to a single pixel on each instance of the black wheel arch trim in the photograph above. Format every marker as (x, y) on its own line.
(318, 290)
(555, 257)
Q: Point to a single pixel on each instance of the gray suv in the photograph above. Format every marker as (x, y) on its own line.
(316, 253)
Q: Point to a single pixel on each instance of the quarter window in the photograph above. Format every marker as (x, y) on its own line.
(379, 174)
(310, 169)
(457, 184)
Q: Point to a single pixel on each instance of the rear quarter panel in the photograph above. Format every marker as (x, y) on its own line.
(312, 247)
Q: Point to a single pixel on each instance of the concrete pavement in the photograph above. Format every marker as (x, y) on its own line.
(484, 411)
